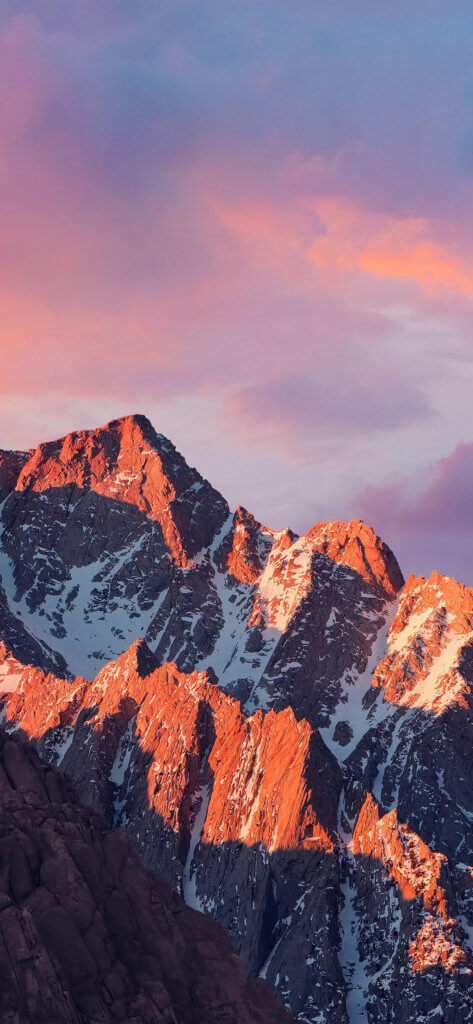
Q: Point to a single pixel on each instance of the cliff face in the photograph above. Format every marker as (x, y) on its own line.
(239, 812)
(87, 934)
(290, 740)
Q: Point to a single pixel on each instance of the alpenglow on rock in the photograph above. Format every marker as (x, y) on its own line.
(282, 726)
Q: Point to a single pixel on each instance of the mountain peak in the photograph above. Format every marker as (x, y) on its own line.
(356, 545)
(138, 425)
(127, 461)
(422, 595)
(138, 657)
(137, 418)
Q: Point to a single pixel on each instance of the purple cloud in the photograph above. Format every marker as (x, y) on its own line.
(434, 528)
(334, 404)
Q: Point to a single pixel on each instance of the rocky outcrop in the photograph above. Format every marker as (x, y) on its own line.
(416, 738)
(87, 935)
(356, 545)
(238, 812)
(430, 635)
(400, 905)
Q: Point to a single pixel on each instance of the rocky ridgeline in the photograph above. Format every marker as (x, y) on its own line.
(289, 744)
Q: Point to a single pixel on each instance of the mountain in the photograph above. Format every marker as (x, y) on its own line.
(282, 726)
(87, 935)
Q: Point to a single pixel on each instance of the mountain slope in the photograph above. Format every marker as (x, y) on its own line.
(107, 536)
(293, 713)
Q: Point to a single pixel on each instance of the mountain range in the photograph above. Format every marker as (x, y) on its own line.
(279, 725)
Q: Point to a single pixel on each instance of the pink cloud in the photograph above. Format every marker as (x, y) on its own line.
(113, 280)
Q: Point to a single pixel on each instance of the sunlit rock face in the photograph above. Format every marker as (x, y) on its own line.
(281, 726)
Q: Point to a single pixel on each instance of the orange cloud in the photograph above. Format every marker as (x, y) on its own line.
(426, 263)
(399, 249)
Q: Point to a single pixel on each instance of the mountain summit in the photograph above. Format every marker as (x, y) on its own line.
(128, 461)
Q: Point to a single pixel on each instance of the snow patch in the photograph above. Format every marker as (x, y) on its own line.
(352, 967)
(189, 876)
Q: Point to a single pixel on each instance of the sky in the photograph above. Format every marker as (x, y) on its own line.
(252, 222)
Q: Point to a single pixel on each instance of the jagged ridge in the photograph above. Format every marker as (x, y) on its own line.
(281, 684)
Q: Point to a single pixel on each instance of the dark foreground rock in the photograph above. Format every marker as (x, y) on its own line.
(87, 934)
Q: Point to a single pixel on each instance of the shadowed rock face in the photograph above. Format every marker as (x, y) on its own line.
(291, 743)
(87, 934)
(11, 464)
